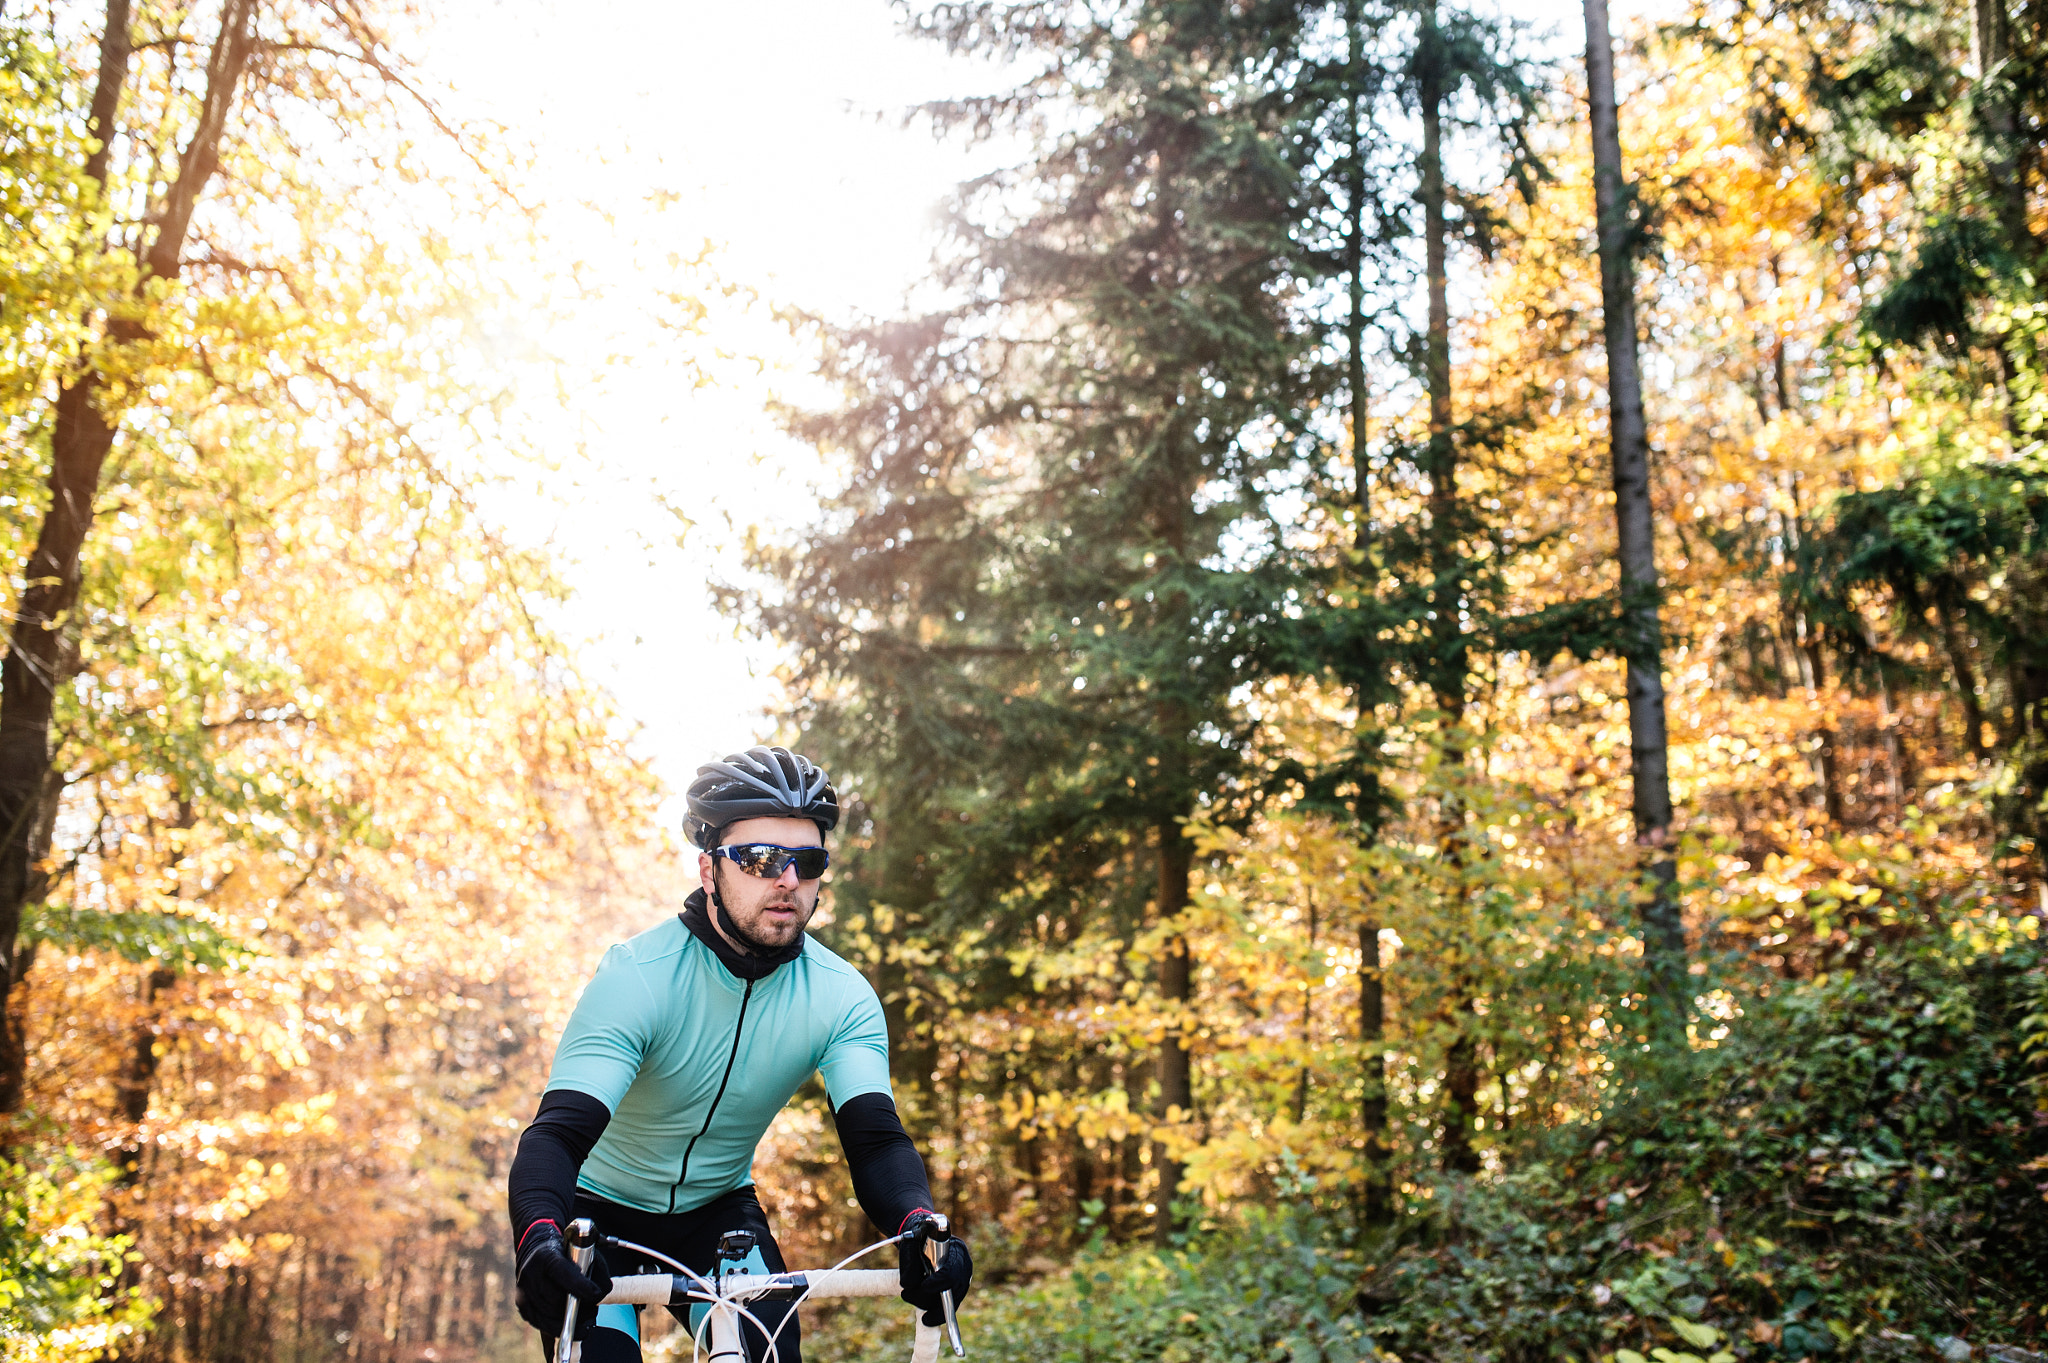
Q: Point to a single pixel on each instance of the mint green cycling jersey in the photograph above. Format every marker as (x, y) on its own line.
(694, 1063)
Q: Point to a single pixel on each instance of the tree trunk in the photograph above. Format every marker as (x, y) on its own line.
(1461, 1095)
(1830, 760)
(137, 1077)
(37, 660)
(1449, 673)
(1895, 763)
(1953, 644)
(1372, 1010)
(1308, 1020)
(198, 1292)
(1354, 265)
(1628, 437)
(1372, 1107)
(40, 655)
(1081, 1171)
(299, 1305)
(1176, 1086)
(1176, 854)
(449, 1294)
(957, 1133)
(1447, 680)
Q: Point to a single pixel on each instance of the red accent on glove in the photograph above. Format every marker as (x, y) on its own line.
(529, 1230)
(913, 1212)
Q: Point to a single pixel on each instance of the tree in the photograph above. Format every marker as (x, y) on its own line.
(83, 420)
(1458, 66)
(1629, 443)
(1950, 284)
(1025, 606)
(196, 319)
(82, 432)
(322, 788)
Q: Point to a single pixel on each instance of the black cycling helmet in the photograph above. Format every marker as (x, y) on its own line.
(760, 783)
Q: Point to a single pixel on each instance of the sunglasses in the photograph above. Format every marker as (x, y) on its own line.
(768, 861)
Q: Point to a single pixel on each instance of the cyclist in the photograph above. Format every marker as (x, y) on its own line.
(683, 1047)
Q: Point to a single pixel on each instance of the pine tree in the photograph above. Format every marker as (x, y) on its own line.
(1046, 577)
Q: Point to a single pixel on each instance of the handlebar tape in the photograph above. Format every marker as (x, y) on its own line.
(669, 1289)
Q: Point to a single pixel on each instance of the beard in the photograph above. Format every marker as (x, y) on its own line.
(759, 943)
(753, 940)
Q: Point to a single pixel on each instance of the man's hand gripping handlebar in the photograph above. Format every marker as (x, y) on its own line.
(558, 1280)
(936, 1271)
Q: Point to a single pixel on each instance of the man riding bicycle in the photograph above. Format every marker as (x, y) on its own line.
(683, 1047)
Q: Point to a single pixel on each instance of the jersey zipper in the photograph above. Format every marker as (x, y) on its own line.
(738, 1028)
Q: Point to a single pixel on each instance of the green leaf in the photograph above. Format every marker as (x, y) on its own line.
(1699, 1336)
(173, 939)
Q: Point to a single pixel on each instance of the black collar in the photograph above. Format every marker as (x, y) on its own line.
(741, 965)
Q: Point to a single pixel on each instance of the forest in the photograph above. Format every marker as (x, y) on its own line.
(1433, 629)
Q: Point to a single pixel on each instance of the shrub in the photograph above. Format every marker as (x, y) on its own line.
(1861, 1155)
(61, 1299)
(1272, 1285)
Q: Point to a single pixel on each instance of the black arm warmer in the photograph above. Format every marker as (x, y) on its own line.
(888, 1177)
(542, 1184)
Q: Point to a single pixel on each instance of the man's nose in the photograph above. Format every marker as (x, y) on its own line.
(788, 879)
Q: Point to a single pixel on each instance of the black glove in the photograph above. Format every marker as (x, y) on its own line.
(924, 1280)
(548, 1277)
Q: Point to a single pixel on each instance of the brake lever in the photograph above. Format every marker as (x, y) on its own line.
(931, 1252)
(582, 1239)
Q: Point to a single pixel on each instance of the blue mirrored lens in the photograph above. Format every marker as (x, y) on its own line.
(767, 860)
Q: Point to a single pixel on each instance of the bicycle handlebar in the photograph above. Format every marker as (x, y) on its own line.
(669, 1289)
(732, 1289)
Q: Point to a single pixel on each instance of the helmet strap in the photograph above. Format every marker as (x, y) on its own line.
(723, 920)
(730, 929)
(718, 913)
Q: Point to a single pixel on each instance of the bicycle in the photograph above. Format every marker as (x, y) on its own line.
(728, 1295)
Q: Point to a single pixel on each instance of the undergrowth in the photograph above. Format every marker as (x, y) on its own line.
(1860, 1168)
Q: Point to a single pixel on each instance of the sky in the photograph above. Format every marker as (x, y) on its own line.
(773, 131)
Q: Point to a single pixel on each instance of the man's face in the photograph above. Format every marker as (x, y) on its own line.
(767, 913)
